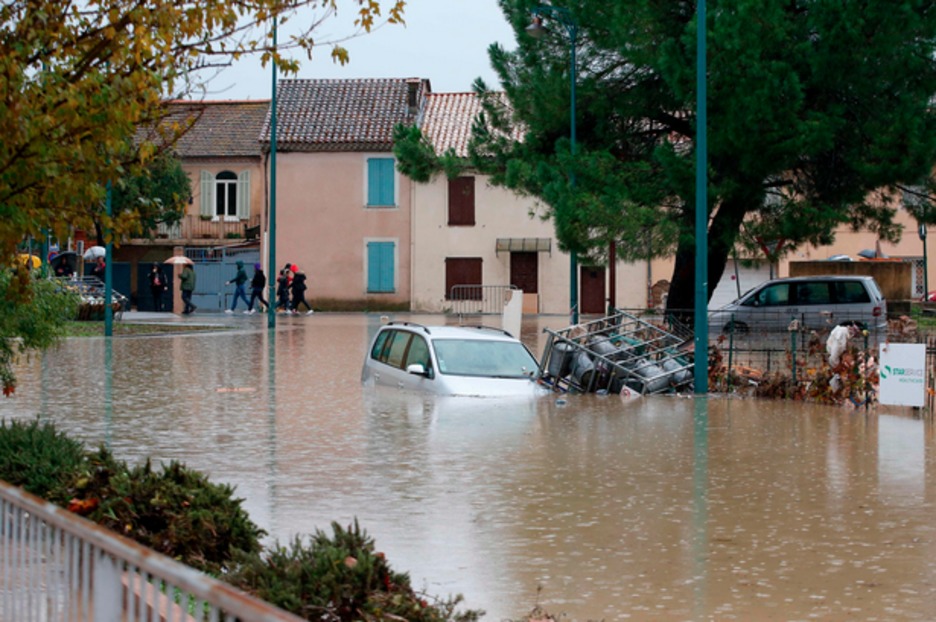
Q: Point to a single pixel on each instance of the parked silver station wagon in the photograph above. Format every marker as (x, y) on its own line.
(816, 302)
(450, 360)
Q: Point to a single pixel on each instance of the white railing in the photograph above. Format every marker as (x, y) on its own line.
(56, 566)
(479, 299)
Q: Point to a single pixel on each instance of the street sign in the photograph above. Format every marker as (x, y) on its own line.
(903, 374)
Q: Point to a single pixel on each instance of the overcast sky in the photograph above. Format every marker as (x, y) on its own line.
(445, 41)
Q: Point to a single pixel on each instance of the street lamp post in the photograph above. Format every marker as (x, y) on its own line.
(271, 226)
(536, 30)
(701, 211)
(108, 267)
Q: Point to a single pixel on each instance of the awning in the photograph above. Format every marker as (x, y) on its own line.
(524, 245)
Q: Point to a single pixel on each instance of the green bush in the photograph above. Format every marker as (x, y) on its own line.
(32, 312)
(175, 511)
(339, 578)
(39, 459)
(178, 512)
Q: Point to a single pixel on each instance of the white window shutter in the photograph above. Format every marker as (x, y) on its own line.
(243, 195)
(206, 204)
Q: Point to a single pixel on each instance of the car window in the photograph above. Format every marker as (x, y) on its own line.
(773, 295)
(397, 350)
(851, 291)
(469, 357)
(418, 353)
(377, 352)
(813, 293)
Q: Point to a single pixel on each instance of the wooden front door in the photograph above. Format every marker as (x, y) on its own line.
(592, 290)
(524, 271)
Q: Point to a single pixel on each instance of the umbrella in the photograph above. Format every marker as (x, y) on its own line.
(179, 260)
(30, 261)
(94, 252)
(67, 260)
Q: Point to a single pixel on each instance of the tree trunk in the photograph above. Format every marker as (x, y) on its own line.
(723, 231)
(99, 233)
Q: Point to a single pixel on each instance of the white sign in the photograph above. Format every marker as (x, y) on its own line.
(903, 374)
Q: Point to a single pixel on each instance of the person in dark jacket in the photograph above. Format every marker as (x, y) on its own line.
(188, 287)
(99, 268)
(282, 289)
(298, 289)
(239, 280)
(158, 285)
(257, 285)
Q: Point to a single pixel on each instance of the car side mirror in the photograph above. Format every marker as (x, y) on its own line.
(418, 369)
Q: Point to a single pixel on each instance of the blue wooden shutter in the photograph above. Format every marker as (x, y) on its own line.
(380, 269)
(380, 180)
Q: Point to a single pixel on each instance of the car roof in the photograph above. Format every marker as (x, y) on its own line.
(822, 277)
(454, 332)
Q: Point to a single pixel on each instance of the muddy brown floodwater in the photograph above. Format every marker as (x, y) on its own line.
(658, 508)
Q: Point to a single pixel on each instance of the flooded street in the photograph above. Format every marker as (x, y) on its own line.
(594, 507)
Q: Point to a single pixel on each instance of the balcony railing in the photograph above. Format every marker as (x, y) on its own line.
(191, 229)
(58, 567)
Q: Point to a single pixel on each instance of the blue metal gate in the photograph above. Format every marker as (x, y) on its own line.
(213, 268)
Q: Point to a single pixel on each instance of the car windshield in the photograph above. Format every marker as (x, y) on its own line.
(478, 357)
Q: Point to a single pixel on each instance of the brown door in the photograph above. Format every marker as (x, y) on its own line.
(465, 273)
(592, 290)
(524, 271)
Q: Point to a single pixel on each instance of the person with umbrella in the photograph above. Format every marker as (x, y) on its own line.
(99, 267)
(158, 285)
(239, 292)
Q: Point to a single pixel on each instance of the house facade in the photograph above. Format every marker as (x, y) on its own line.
(220, 153)
(342, 209)
(467, 232)
(221, 156)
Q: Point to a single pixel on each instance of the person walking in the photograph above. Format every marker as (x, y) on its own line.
(298, 289)
(157, 284)
(188, 286)
(282, 289)
(239, 292)
(257, 285)
(99, 268)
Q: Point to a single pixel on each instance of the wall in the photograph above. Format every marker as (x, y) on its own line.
(848, 242)
(322, 225)
(258, 184)
(499, 213)
(893, 277)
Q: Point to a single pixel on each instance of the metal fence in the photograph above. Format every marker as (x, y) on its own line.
(479, 299)
(56, 566)
(795, 345)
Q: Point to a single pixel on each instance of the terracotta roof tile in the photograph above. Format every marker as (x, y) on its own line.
(447, 121)
(343, 115)
(221, 129)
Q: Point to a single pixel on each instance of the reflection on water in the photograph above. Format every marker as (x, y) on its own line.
(655, 508)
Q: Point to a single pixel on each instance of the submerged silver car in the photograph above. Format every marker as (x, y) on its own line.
(815, 302)
(450, 360)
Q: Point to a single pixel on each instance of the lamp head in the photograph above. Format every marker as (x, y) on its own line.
(536, 28)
